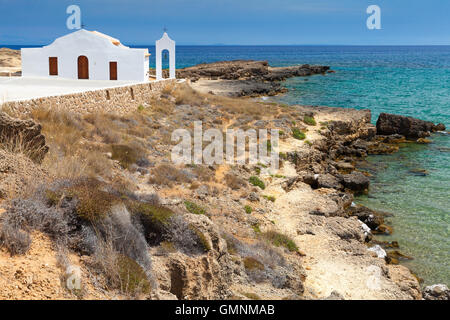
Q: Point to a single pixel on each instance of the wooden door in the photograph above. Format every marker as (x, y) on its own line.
(53, 66)
(83, 67)
(113, 70)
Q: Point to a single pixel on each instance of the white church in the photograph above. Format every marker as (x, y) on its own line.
(93, 55)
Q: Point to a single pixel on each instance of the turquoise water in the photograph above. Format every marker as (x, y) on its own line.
(407, 80)
(412, 81)
(420, 204)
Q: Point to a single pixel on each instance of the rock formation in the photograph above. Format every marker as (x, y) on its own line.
(247, 77)
(411, 128)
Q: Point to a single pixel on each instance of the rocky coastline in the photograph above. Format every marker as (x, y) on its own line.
(208, 231)
(245, 78)
(341, 173)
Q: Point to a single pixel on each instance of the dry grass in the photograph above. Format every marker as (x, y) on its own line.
(167, 175)
(79, 144)
(18, 145)
(184, 94)
(160, 106)
(62, 130)
(234, 182)
(203, 173)
(120, 271)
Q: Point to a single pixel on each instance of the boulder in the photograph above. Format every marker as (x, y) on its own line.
(355, 181)
(436, 292)
(373, 219)
(328, 181)
(411, 128)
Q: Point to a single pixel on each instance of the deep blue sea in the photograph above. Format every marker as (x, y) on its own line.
(407, 80)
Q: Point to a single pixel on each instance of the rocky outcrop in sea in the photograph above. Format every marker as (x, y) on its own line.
(247, 77)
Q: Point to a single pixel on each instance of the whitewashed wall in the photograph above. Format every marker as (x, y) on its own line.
(132, 64)
(165, 43)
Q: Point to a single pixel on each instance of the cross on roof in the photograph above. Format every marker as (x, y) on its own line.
(165, 29)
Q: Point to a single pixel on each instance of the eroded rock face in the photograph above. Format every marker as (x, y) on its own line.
(27, 133)
(411, 128)
(203, 276)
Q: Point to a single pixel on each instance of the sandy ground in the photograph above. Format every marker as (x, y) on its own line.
(220, 87)
(10, 60)
(18, 88)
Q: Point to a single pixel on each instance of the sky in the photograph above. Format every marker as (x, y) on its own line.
(232, 22)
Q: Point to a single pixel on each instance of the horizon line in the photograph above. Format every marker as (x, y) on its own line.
(264, 45)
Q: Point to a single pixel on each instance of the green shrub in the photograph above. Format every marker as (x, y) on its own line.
(140, 108)
(269, 198)
(262, 165)
(278, 239)
(194, 208)
(309, 143)
(52, 197)
(150, 213)
(256, 228)
(251, 295)
(309, 120)
(201, 238)
(93, 203)
(155, 219)
(248, 209)
(254, 180)
(132, 277)
(297, 134)
(252, 264)
(231, 245)
(125, 154)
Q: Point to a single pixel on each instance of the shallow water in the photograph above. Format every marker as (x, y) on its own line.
(420, 204)
(412, 81)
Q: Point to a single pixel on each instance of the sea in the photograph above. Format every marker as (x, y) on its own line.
(407, 80)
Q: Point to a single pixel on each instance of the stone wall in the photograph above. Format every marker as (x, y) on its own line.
(118, 100)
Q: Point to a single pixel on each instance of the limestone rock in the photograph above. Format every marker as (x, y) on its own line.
(411, 128)
(356, 181)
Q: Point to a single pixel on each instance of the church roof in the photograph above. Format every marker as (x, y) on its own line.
(114, 41)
